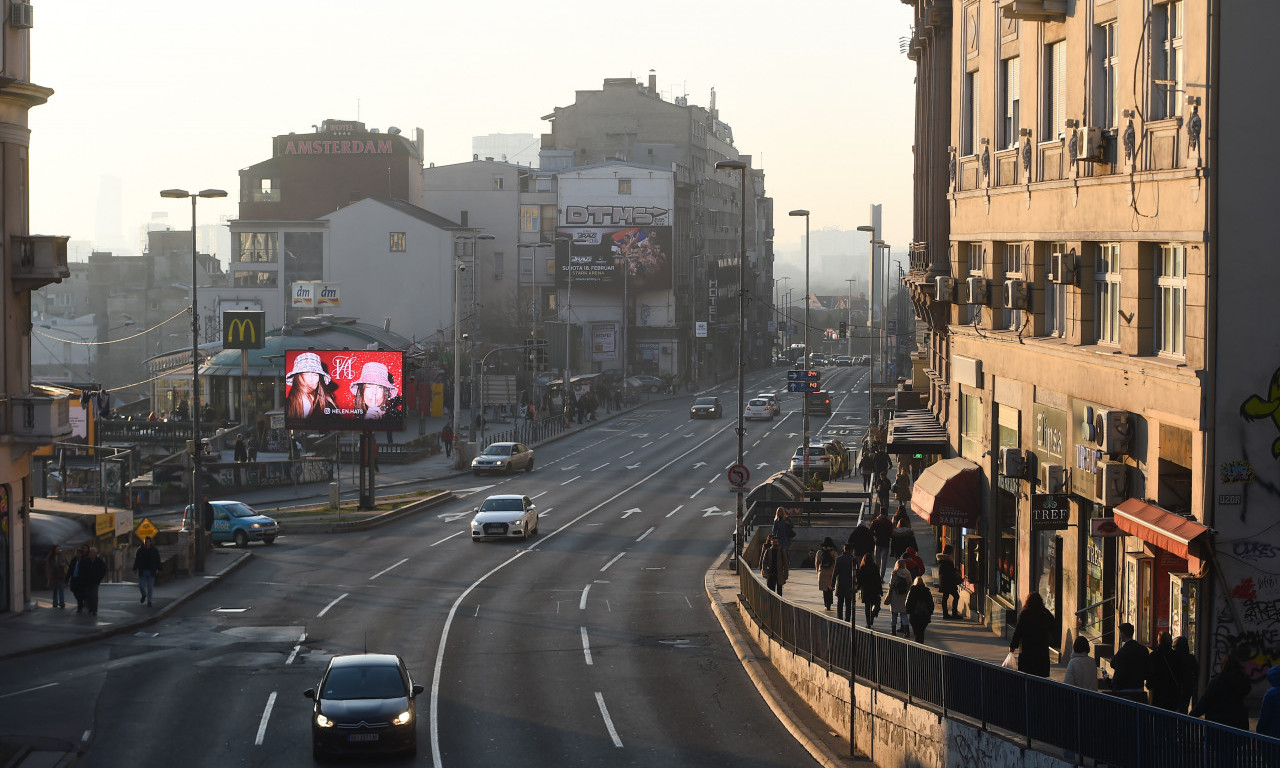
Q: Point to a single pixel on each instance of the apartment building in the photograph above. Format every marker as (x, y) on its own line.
(1092, 195)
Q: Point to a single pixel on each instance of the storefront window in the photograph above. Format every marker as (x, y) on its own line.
(1007, 556)
(1048, 577)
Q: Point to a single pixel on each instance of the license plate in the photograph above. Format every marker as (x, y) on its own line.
(363, 737)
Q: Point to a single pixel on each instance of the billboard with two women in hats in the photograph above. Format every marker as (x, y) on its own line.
(344, 389)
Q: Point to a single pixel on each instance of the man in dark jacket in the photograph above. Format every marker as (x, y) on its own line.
(949, 583)
(95, 571)
(1129, 667)
(147, 565)
(77, 574)
(863, 542)
(843, 578)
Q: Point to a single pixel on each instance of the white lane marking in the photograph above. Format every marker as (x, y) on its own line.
(582, 601)
(586, 645)
(385, 570)
(330, 605)
(604, 712)
(540, 495)
(294, 654)
(677, 509)
(611, 562)
(630, 512)
(695, 493)
(450, 536)
(545, 512)
(28, 690)
(646, 445)
(646, 533)
(753, 445)
(570, 480)
(625, 455)
(266, 717)
(602, 466)
(716, 477)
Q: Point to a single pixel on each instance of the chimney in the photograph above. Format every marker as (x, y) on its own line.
(653, 83)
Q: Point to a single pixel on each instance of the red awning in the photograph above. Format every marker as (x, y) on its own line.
(947, 493)
(1170, 532)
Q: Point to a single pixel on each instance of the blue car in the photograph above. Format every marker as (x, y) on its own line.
(235, 521)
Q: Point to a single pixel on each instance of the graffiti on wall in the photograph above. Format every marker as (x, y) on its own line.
(1257, 599)
(1255, 407)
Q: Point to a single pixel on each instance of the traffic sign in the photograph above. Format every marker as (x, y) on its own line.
(804, 386)
(146, 529)
(739, 475)
(804, 376)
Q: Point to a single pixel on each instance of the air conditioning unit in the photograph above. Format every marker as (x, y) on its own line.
(944, 288)
(1114, 431)
(1063, 268)
(1115, 482)
(21, 15)
(1016, 294)
(1053, 478)
(1093, 144)
(979, 291)
(1012, 461)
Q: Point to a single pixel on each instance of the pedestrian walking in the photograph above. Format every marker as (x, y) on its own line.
(784, 532)
(865, 467)
(824, 561)
(863, 541)
(899, 585)
(1188, 674)
(844, 581)
(773, 566)
(1035, 625)
(55, 570)
(253, 448)
(1162, 674)
(77, 574)
(1082, 670)
(903, 538)
(871, 588)
(241, 451)
(948, 583)
(147, 564)
(1223, 699)
(446, 439)
(882, 487)
(882, 530)
(1129, 667)
(919, 607)
(914, 562)
(95, 572)
(902, 487)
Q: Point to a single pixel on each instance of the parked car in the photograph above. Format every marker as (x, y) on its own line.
(706, 408)
(505, 516)
(364, 703)
(647, 383)
(819, 461)
(819, 403)
(758, 408)
(774, 403)
(503, 457)
(235, 521)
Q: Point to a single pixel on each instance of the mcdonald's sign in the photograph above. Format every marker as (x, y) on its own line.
(243, 329)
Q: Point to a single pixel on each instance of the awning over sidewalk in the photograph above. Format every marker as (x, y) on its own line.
(1170, 532)
(947, 493)
(916, 431)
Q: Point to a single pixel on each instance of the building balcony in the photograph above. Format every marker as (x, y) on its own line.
(1034, 10)
(38, 260)
(41, 416)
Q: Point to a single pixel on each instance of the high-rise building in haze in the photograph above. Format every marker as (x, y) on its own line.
(108, 232)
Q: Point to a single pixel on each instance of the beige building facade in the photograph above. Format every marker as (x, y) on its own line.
(1086, 315)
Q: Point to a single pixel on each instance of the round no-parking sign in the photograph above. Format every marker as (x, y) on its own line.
(739, 475)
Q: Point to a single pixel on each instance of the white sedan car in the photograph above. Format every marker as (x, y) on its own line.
(758, 408)
(506, 516)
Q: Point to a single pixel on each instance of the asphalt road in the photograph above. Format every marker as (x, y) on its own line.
(590, 644)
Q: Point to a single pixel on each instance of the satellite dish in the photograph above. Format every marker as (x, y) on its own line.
(394, 131)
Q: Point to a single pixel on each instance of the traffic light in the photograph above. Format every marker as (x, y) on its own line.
(542, 357)
(530, 355)
(844, 329)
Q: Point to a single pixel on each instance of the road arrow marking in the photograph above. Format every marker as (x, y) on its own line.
(571, 466)
(629, 512)
(716, 512)
(700, 464)
(469, 491)
(633, 466)
(762, 465)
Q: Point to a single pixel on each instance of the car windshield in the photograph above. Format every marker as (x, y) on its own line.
(502, 505)
(705, 401)
(497, 449)
(372, 682)
(236, 509)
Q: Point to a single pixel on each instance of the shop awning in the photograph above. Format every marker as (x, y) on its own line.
(1170, 532)
(948, 493)
(916, 431)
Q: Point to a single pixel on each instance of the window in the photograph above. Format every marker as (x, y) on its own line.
(254, 279)
(499, 265)
(1055, 86)
(397, 242)
(976, 258)
(972, 122)
(257, 247)
(1055, 299)
(1107, 291)
(542, 184)
(1171, 300)
(529, 220)
(1166, 60)
(1011, 75)
(1105, 112)
(268, 191)
(624, 186)
(971, 427)
(1013, 318)
(498, 183)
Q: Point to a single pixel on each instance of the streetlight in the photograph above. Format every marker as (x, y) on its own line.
(782, 310)
(871, 326)
(535, 306)
(197, 515)
(457, 382)
(804, 450)
(741, 167)
(568, 327)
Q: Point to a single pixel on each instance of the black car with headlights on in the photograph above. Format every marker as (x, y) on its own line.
(706, 408)
(365, 704)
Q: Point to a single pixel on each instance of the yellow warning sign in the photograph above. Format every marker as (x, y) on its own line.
(145, 529)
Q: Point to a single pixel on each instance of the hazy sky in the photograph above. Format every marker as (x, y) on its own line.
(161, 94)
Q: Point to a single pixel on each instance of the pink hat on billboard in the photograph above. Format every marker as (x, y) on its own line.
(308, 362)
(375, 373)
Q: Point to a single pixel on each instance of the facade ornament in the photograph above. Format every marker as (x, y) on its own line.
(1129, 139)
(986, 162)
(1193, 129)
(1026, 157)
(951, 165)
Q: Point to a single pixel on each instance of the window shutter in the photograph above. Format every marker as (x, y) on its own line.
(1059, 89)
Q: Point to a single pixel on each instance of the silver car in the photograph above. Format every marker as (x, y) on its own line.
(506, 516)
(503, 457)
(758, 408)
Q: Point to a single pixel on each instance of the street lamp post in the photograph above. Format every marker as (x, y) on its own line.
(804, 445)
(871, 327)
(475, 327)
(535, 306)
(848, 307)
(197, 516)
(568, 326)
(884, 314)
(741, 167)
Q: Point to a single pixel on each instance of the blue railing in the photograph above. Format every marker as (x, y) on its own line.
(1044, 714)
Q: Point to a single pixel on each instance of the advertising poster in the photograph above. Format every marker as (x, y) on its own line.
(344, 390)
(603, 257)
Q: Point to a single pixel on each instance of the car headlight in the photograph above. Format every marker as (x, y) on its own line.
(256, 525)
(404, 718)
(323, 721)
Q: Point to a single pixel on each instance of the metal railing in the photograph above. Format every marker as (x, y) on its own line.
(1044, 714)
